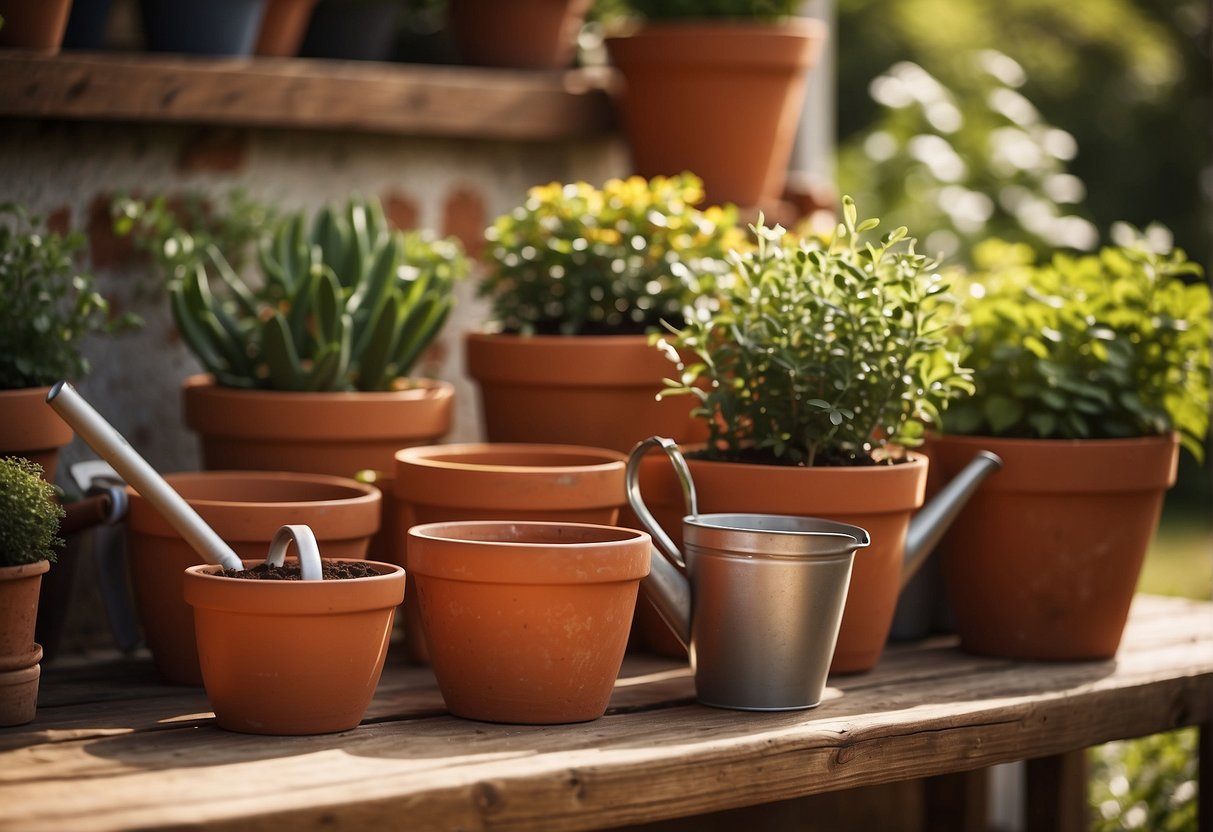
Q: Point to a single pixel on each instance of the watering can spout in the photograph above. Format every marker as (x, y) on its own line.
(932, 521)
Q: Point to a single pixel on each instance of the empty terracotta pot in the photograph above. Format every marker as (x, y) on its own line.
(527, 622)
(245, 508)
(292, 657)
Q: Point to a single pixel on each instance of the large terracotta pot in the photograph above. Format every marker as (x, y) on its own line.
(527, 622)
(528, 34)
(1043, 562)
(283, 27)
(577, 390)
(245, 508)
(878, 499)
(37, 25)
(720, 99)
(327, 433)
(19, 655)
(292, 657)
(29, 428)
(504, 481)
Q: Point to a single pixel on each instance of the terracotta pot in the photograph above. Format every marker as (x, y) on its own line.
(1043, 562)
(292, 657)
(326, 433)
(19, 655)
(527, 622)
(246, 508)
(34, 24)
(576, 390)
(283, 27)
(878, 499)
(529, 34)
(29, 428)
(721, 100)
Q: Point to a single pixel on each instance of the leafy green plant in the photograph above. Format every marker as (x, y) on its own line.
(345, 304)
(48, 306)
(1106, 345)
(29, 514)
(821, 353)
(692, 9)
(1146, 783)
(575, 259)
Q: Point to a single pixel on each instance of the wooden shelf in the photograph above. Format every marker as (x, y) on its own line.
(397, 99)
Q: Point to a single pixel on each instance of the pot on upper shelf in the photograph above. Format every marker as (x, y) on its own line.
(37, 25)
(525, 34)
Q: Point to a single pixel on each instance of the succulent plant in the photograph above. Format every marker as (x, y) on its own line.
(29, 514)
(345, 304)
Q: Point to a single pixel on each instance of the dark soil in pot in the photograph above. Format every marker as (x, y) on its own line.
(292, 572)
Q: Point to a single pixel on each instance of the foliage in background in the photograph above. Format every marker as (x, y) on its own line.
(48, 306)
(29, 514)
(1109, 345)
(175, 233)
(821, 352)
(575, 259)
(1128, 79)
(1147, 783)
(969, 162)
(764, 10)
(347, 304)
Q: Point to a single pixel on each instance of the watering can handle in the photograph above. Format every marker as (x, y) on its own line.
(663, 541)
(305, 542)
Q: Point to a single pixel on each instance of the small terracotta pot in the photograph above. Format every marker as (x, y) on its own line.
(292, 657)
(245, 508)
(327, 433)
(19, 655)
(29, 428)
(879, 499)
(527, 622)
(528, 34)
(34, 24)
(679, 79)
(599, 391)
(1043, 562)
(282, 27)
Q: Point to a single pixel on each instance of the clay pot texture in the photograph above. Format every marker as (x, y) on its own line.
(720, 99)
(878, 499)
(292, 657)
(18, 653)
(1043, 562)
(34, 24)
(29, 428)
(245, 508)
(326, 433)
(527, 34)
(283, 27)
(527, 622)
(598, 391)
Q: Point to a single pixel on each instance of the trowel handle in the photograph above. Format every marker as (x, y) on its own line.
(632, 478)
(305, 542)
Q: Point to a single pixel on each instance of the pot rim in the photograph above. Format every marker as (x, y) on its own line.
(433, 456)
(361, 492)
(202, 588)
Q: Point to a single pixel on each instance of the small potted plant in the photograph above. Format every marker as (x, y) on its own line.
(576, 276)
(818, 364)
(1090, 372)
(716, 87)
(308, 365)
(48, 308)
(29, 528)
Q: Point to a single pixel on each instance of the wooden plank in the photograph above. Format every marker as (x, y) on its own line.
(956, 802)
(1056, 793)
(401, 99)
(933, 711)
(1204, 794)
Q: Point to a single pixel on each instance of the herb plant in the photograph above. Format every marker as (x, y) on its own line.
(345, 304)
(48, 306)
(573, 259)
(821, 353)
(763, 10)
(29, 514)
(1106, 345)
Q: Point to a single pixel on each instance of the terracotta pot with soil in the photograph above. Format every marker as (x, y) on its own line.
(527, 622)
(245, 508)
(282, 653)
(1043, 563)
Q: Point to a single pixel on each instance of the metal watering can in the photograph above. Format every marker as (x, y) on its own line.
(760, 605)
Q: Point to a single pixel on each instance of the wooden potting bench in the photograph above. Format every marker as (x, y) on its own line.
(112, 748)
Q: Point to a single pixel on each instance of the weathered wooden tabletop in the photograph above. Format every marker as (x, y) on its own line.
(112, 748)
